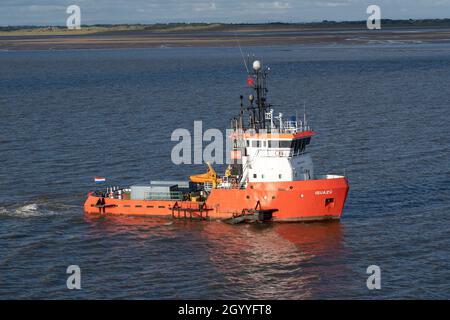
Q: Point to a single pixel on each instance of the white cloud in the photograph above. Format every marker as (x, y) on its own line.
(199, 7)
(45, 8)
(280, 5)
(343, 3)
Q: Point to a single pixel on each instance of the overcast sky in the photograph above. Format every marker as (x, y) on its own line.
(53, 12)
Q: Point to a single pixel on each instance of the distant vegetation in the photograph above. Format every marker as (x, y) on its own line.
(174, 27)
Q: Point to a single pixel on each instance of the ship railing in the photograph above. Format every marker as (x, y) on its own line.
(115, 192)
(290, 126)
(228, 183)
(208, 186)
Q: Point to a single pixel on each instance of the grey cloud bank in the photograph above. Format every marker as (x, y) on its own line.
(53, 12)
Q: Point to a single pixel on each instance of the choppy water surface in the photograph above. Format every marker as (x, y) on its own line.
(382, 117)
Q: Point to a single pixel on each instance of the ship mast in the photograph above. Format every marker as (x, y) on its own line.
(258, 108)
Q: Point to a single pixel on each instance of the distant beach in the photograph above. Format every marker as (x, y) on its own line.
(220, 35)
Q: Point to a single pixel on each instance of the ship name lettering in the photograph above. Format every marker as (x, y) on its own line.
(323, 192)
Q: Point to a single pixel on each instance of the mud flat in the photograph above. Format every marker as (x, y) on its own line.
(216, 36)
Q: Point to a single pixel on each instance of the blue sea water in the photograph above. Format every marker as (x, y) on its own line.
(382, 117)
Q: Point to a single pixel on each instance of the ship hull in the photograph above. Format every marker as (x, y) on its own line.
(310, 200)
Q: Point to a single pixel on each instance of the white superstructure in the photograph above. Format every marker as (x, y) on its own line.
(279, 155)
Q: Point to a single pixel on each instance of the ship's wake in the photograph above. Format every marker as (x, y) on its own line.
(39, 207)
(26, 211)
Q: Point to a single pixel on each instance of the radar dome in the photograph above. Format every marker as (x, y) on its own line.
(256, 65)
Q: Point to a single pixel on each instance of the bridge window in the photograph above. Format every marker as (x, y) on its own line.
(256, 143)
(280, 143)
(299, 145)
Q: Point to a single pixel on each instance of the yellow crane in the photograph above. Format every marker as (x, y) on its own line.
(210, 176)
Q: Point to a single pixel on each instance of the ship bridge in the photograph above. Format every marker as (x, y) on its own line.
(270, 157)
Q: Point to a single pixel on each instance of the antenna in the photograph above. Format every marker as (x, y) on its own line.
(242, 54)
(304, 115)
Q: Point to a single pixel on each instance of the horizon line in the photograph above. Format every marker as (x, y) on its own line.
(230, 23)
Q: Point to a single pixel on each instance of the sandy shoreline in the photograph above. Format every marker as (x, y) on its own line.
(207, 38)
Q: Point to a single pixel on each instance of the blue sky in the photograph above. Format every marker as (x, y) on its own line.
(53, 12)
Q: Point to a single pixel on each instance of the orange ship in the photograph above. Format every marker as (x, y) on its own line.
(270, 177)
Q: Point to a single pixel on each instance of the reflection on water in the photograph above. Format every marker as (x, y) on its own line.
(270, 261)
